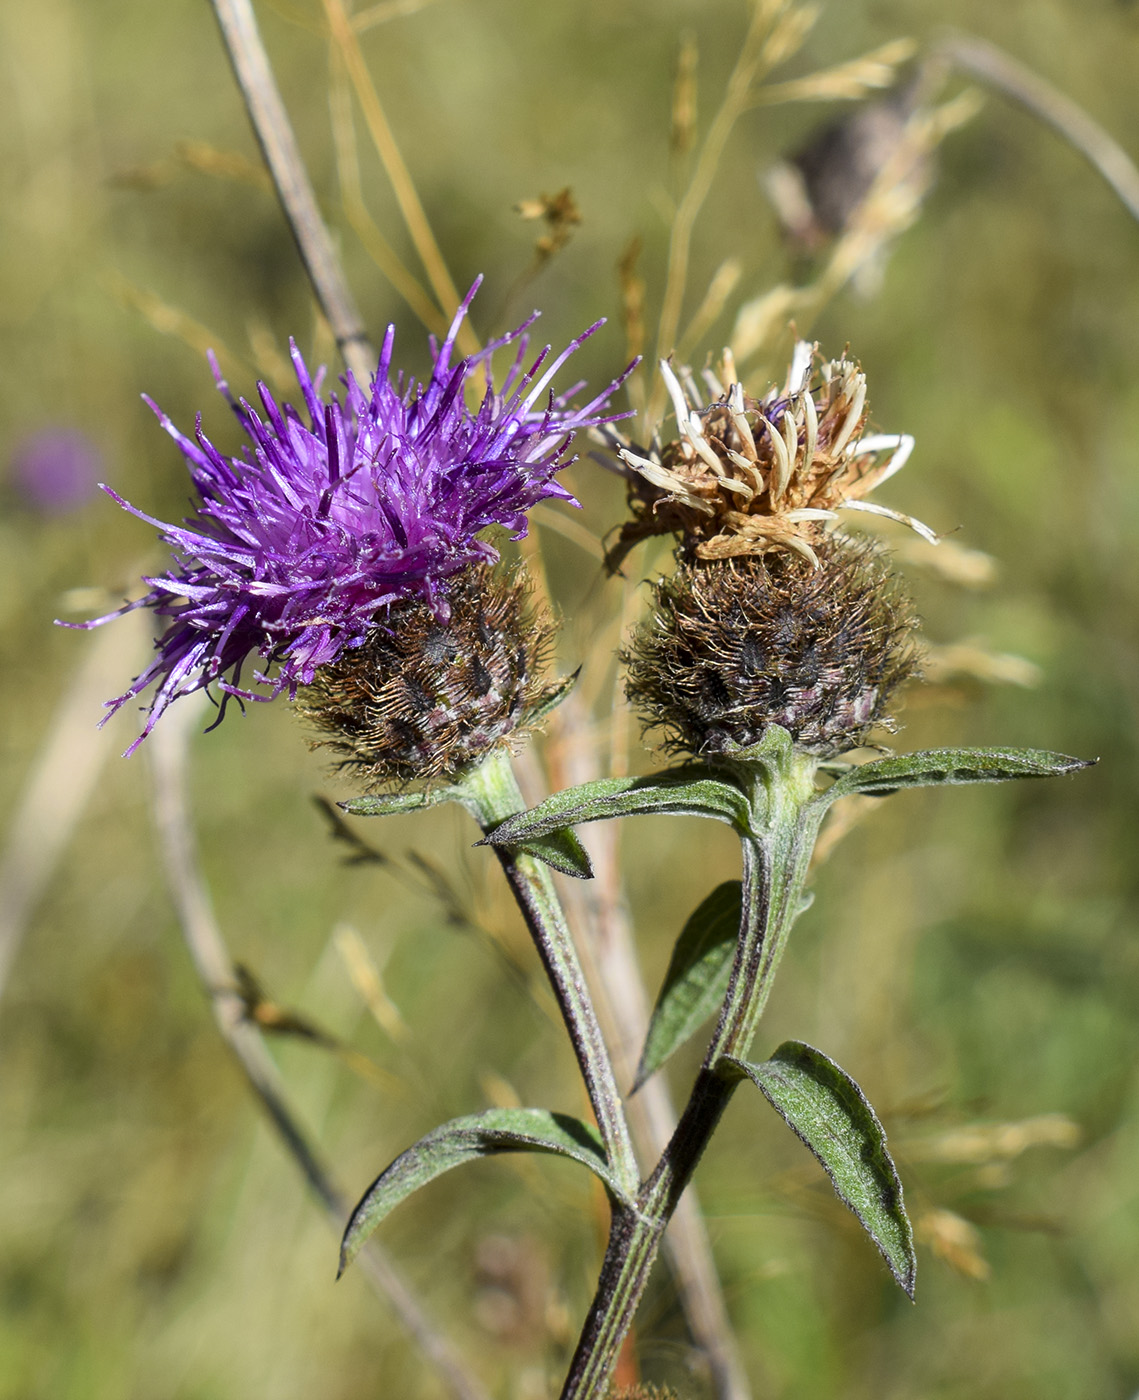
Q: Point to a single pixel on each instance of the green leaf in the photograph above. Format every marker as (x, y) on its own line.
(697, 977)
(563, 851)
(388, 804)
(692, 791)
(827, 1110)
(883, 776)
(698, 974)
(463, 1140)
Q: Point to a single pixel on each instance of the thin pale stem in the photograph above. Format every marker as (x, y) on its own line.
(491, 794)
(352, 198)
(214, 967)
(279, 146)
(991, 65)
(385, 12)
(744, 75)
(344, 36)
(774, 870)
(61, 780)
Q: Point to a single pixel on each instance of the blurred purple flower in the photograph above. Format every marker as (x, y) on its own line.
(56, 469)
(297, 545)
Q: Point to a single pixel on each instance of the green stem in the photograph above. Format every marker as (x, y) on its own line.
(775, 864)
(490, 793)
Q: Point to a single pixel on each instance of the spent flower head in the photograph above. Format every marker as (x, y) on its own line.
(322, 524)
(745, 475)
(772, 615)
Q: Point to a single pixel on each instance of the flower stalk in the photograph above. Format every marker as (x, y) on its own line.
(776, 857)
(490, 793)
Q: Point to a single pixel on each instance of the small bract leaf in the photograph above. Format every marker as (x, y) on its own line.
(551, 699)
(561, 850)
(690, 791)
(697, 977)
(827, 1111)
(774, 751)
(883, 776)
(388, 804)
(464, 1139)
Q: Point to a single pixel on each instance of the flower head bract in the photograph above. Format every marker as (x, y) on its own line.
(380, 496)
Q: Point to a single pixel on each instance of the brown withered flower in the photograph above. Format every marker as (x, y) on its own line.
(744, 476)
(772, 616)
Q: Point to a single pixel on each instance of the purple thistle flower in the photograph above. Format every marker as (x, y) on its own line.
(297, 545)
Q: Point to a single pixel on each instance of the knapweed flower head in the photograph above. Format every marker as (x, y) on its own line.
(332, 516)
(745, 476)
(772, 616)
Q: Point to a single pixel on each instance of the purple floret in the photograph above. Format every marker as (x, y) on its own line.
(297, 545)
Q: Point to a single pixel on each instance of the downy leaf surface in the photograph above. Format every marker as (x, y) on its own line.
(390, 804)
(697, 977)
(464, 1140)
(828, 1112)
(562, 851)
(951, 767)
(694, 791)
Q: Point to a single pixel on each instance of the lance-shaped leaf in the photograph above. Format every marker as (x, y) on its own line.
(698, 974)
(684, 792)
(561, 850)
(883, 776)
(827, 1110)
(390, 804)
(464, 1139)
(697, 977)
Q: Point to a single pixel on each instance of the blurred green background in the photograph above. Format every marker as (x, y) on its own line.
(971, 957)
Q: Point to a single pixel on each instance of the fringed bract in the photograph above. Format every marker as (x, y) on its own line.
(735, 645)
(421, 699)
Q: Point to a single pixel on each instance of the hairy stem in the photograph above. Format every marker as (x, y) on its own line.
(599, 914)
(60, 783)
(279, 146)
(775, 868)
(491, 794)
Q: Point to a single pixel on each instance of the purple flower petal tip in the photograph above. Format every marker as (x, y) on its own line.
(334, 514)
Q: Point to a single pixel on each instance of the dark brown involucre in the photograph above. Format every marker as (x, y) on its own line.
(421, 698)
(735, 645)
